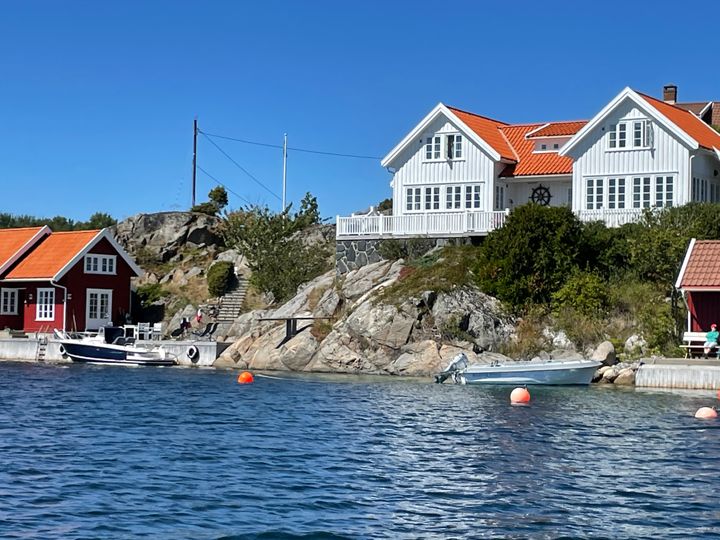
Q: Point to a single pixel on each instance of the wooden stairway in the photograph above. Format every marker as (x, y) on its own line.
(232, 302)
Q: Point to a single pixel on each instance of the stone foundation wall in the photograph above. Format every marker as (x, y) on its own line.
(354, 254)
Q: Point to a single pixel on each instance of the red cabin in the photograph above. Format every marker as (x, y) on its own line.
(77, 280)
(699, 281)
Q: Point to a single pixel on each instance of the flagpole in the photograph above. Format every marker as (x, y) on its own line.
(284, 171)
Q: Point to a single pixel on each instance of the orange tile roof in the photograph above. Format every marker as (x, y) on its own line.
(559, 129)
(52, 255)
(530, 164)
(705, 136)
(703, 268)
(11, 240)
(488, 130)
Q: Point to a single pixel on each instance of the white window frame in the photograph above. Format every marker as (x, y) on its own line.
(499, 197)
(594, 193)
(413, 199)
(623, 135)
(443, 147)
(431, 200)
(45, 304)
(88, 308)
(454, 147)
(616, 192)
(9, 301)
(433, 148)
(453, 198)
(472, 197)
(101, 264)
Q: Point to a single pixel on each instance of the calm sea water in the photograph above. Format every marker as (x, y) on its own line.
(108, 452)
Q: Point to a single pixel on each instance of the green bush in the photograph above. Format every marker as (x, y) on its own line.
(219, 277)
(584, 292)
(528, 259)
(150, 293)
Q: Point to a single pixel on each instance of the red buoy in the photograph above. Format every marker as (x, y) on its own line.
(520, 395)
(245, 378)
(706, 413)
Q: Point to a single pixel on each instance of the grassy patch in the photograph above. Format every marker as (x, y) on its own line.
(441, 271)
(321, 329)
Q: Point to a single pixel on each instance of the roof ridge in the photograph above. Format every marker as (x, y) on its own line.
(77, 232)
(21, 228)
(478, 115)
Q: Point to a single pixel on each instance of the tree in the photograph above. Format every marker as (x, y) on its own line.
(275, 252)
(100, 220)
(219, 196)
(529, 258)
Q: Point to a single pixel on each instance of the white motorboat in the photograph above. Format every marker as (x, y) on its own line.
(110, 346)
(550, 372)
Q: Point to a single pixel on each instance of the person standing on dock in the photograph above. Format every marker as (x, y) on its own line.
(711, 342)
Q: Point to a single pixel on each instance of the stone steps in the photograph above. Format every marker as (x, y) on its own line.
(232, 302)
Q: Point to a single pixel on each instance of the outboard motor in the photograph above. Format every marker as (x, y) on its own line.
(457, 364)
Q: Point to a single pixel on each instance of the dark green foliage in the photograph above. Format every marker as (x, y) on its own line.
(584, 292)
(98, 220)
(150, 293)
(219, 196)
(208, 208)
(275, 252)
(529, 258)
(385, 204)
(220, 277)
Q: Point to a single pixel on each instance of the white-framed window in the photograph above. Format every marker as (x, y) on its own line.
(432, 198)
(453, 197)
(413, 198)
(100, 264)
(454, 148)
(556, 146)
(45, 306)
(8, 301)
(640, 134)
(641, 191)
(664, 191)
(472, 197)
(594, 193)
(543, 147)
(450, 146)
(616, 193)
(499, 197)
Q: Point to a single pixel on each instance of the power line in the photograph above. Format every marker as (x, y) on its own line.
(223, 185)
(306, 150)
(258, 182)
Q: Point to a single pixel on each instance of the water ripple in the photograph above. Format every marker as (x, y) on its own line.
(91, 452)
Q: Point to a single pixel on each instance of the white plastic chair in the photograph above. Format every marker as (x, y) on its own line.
(143, 330)
(156, 331)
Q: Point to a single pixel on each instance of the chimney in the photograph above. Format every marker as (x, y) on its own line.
(670, 93)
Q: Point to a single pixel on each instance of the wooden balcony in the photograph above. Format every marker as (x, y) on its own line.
(455, 224)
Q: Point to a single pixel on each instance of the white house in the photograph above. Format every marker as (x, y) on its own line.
(458, 174)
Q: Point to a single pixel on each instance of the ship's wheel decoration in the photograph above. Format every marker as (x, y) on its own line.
(541, 195)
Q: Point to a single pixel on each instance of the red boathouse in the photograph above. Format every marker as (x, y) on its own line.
(699, 281)
(77, 280)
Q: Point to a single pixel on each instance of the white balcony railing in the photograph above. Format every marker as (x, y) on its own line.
(438, 225)
(615, 217)
(450, 224)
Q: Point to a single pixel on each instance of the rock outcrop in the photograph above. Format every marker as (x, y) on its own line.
(163, 235)
(416, 336)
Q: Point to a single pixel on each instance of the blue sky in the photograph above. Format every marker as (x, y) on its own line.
(99, 97)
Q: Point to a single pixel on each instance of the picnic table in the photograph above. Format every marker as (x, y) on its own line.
(291, 327)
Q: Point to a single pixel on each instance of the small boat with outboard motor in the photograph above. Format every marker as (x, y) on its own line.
(110, 346)
(551, 372)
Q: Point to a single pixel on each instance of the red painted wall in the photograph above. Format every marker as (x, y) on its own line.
(704, 310)
(77, 283)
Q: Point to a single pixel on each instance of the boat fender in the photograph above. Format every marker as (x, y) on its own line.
(63, 352)
(193, 353)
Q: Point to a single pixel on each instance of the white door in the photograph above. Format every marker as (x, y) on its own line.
(99, 308)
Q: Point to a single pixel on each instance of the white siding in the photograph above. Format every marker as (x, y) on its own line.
(476, 167)
(666, 156)
(706, 168)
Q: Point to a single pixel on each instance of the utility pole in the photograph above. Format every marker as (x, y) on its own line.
(284, 171)
(194, 171)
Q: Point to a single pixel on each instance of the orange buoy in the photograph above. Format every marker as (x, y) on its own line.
(245, 378)
(520, 395)
(706, 413)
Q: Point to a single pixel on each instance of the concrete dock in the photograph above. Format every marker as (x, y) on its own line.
(687, 373)
(46, 349)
